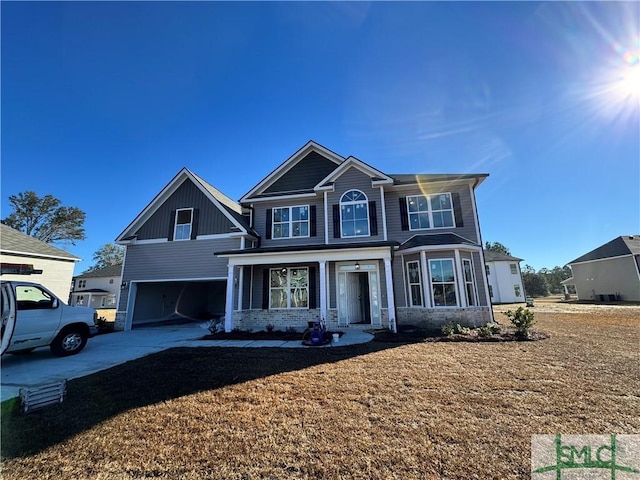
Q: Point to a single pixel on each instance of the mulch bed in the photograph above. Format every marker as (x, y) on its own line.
(418, 336)
(261, 335)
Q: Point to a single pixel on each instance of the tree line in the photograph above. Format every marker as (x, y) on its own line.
(541, 283)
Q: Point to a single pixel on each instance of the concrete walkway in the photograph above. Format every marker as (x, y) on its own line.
(41, 367)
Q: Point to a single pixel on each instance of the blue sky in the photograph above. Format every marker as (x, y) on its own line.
(104, 102)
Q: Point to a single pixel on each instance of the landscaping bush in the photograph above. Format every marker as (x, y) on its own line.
(522, 320)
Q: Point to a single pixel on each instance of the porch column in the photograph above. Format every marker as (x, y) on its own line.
(391, 304)
(228, 309)
(461, 282)
(323, 290)
(240, 287)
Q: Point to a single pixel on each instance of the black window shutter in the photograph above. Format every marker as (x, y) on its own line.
(457, 209)
(265, 289)
(313, 301)
(373, 219)
(312, 220)
(172, 224)
(336, 221)
(194, 223)
(404, 215)
(267, 233)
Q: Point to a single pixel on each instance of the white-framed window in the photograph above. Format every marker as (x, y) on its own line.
(514, 268)
(184, 219)
(289, 287)
(443, 283)
(490, 291)
(516, 290)
(469, 282)
(430, 211)
(415, 284)
(486, 269)
(288, 222)
(354, 214)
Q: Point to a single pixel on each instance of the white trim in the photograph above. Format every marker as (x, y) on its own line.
(290, 222)
(455, 282)
(183, 175)
(457, 182)
(474, 282)
(228, 303)
(217, 236)
(457, 246)
(287, 288)
(161, 280)
(322, 265)
(284, 197)
(326, 219)
(354, 203)
(175, 224)
(40, 255)
(148, 241)
(355, 163)
(430, 212)
(409, 284)
(391, 303)
(240, 284)
(384, 213)
(427, 283)
(288, 257)
(404, 285)
(472, 193)
(462, 301)
(289, 163)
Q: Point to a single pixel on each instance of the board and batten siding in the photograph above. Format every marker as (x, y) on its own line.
(394, 215)
(354, 179)
(210, 219)
(260, 222)
(304, 175)
(183, 260)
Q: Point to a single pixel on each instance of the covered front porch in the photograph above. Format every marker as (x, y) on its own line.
(341, 285)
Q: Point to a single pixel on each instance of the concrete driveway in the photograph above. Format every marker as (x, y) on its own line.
(41, 367)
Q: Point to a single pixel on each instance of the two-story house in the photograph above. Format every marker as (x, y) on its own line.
(97, 288)
(322, 237)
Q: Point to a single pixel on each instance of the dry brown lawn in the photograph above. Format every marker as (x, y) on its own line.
(373, 411)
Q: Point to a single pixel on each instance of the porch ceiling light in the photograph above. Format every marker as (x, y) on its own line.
(357, 266)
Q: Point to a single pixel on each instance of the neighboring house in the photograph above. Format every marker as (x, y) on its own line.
(610, 272)
(97, 288)
(322, 237)
(56, 264)
(505, 277)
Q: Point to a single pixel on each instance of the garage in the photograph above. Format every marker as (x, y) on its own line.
(169, 302)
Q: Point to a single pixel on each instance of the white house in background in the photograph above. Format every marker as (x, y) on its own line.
(98, 288)
(504, 278)
(56, 264)
(610, 272)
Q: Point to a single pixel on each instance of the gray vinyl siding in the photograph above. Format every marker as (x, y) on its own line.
(175, 261)
(210, 221)
(354, 179)
(610, 276)
(260, 222)
(481, 278)
(394, 225)
(304, 175)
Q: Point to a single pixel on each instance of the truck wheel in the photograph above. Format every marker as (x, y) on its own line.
(69, 342)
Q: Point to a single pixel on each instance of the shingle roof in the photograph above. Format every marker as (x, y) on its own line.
(490, 256)
(623, 245)
(410, 179)
(436, 239)
(110, 271)
(305, 248)
(14, 241)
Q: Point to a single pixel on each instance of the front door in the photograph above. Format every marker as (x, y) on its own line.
(358, 295)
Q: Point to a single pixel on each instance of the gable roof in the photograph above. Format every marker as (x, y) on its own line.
(15, 242)
(231, 209)
(110, 271)
(490, 256)
(352, 162)
(262, 187)
(618, 247)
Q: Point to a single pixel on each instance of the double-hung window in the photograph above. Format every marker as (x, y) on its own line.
(443, 283)
(289, 287)
(184, 219)
(430, 211)
(514, 268)
(291, 222)
(354, 214)
(415, 285)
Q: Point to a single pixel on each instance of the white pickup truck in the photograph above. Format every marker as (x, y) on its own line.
(34, 317)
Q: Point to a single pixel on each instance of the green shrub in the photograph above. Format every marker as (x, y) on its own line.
(461, 330)
(447, 330)
(489, 329)
(522, 320)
